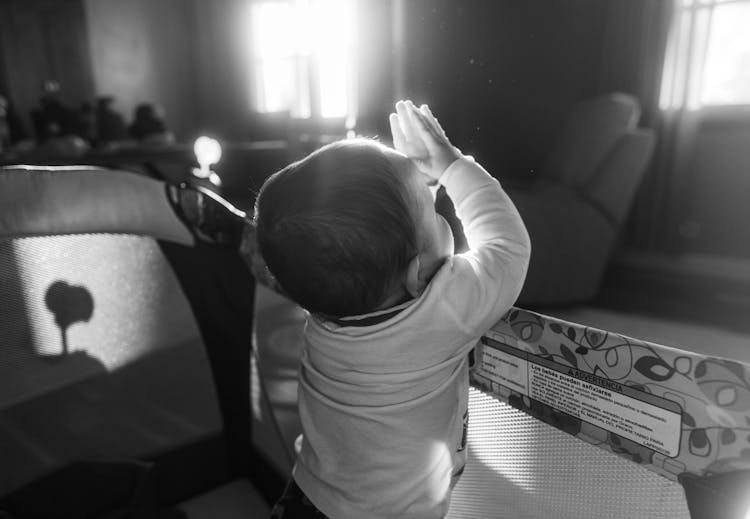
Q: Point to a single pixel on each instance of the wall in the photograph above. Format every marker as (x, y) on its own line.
(42, 40)
(221, 73)
(501, 74)
(142, 51)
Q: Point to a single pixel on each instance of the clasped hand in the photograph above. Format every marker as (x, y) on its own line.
(418, 135)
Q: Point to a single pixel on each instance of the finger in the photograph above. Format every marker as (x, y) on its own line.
(427, 131)
(433, 120)
(416, 122)
(434, 138)
(399, 139)
(406, 120)
(411, 109)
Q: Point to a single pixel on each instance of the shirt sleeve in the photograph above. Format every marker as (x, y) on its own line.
(485, 281)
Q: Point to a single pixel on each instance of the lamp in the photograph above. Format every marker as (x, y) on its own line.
(207, 152)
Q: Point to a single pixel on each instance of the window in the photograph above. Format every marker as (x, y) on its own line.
(708, 58)
(303, 57)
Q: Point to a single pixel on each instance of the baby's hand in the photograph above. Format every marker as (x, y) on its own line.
(419, 136)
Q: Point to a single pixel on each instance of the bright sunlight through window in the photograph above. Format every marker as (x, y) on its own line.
(708, 59)
(303, 57)
(727, 74)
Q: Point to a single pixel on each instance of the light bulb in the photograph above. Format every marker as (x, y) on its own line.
(207, 150)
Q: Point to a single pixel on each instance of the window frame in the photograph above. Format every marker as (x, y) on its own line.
(305, 59)
(687, 53)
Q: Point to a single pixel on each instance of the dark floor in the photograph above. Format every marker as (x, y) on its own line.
(160, 402)
(699, 290)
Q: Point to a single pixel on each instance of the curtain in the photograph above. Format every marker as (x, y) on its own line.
(636, 34)
(665, 205)
(633, 50)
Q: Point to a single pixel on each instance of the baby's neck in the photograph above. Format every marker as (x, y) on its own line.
(396, 298)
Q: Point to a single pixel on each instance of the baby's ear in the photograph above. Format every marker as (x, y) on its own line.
(411, 283)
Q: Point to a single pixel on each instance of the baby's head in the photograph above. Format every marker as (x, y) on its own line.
(350, 229)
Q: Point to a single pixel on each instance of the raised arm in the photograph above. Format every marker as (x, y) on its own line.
(487, 279)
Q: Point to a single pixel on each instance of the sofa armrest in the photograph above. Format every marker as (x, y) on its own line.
(613, 186)
(571, 242)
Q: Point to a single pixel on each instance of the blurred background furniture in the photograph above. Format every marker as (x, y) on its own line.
(576, 207)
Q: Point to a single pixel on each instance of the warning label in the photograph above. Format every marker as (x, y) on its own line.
(651, 421)
(505, 369)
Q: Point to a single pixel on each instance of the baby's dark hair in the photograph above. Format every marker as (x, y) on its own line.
(336, 229)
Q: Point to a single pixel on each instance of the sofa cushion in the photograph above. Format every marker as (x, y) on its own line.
(590, 131)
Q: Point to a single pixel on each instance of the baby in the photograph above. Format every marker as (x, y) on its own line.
(351, 234)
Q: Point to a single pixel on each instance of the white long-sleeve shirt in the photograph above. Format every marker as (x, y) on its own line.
(383, 406)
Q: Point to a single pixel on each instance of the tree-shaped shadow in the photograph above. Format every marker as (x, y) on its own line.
(69, 304)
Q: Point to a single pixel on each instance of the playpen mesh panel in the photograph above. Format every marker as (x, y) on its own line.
(100, 355)
(520, 467)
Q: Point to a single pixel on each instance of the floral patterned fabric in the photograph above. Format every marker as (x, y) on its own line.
(698, 406)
